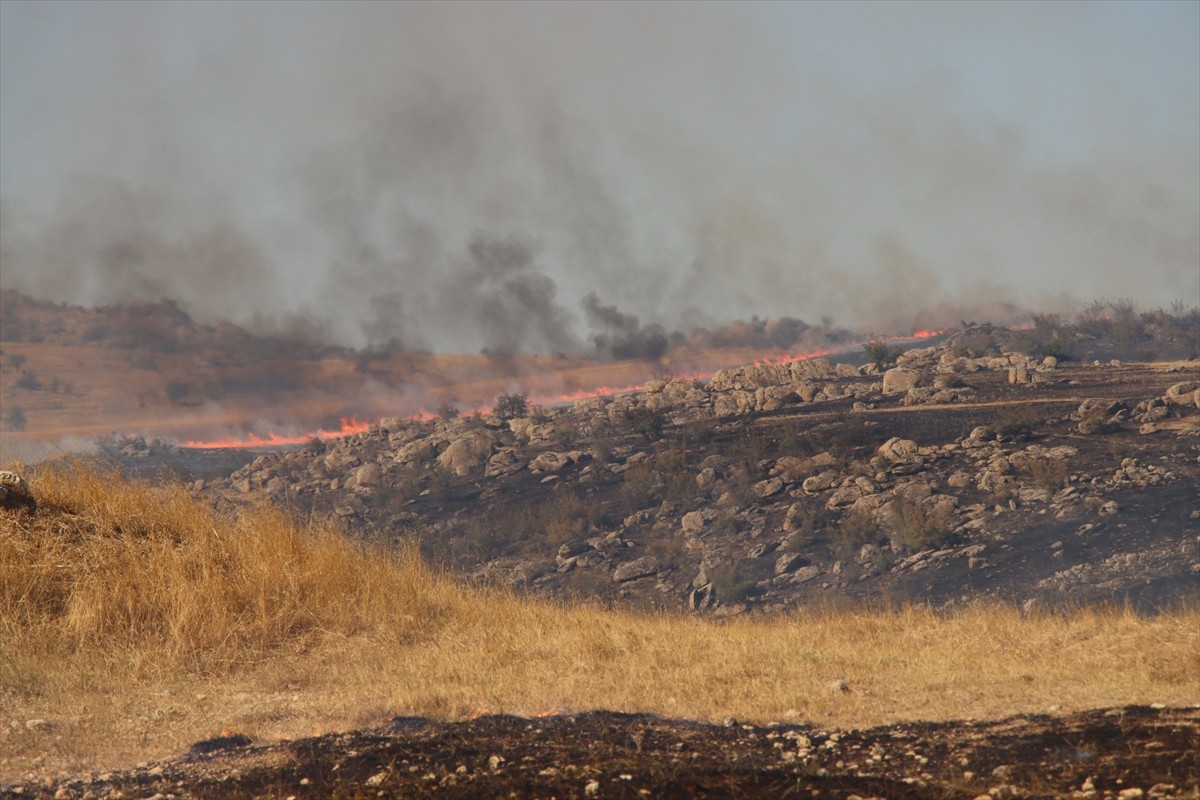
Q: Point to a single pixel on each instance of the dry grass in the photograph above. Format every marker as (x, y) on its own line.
(136, 621)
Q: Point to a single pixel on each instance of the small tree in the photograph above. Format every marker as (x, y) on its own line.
(512, 406)
(646, 421)
(881, 353)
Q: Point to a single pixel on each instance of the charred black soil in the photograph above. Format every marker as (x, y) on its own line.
(1122, 752)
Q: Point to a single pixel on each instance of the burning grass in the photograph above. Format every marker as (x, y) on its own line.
(134, 621)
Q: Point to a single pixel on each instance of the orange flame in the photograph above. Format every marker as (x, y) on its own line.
(352, 426)
(349, 427)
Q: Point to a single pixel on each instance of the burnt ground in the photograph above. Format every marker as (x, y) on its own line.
(1127, 752)
(626, 496)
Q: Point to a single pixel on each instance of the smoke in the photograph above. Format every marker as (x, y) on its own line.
(463, 177)
(621, 335)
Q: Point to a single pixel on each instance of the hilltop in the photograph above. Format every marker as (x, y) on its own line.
(944, 479)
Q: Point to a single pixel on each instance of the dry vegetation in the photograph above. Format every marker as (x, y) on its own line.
(134, 621)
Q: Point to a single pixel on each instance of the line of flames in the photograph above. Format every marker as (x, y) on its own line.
(352, 425)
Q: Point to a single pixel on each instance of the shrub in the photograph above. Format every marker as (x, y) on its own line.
(855, 529)
(973, 345)
(738, 582)
(640, 484)
(645, 421)
(1016, 423)
(1055, 346)
(447, 412)
(1049, 474)
(512, 406)
(566, 433)
(916, 526)
(881, 353)
(677, 482)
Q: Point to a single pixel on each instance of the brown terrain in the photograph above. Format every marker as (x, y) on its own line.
(959, 472)
(76, 374)
(1132, 752)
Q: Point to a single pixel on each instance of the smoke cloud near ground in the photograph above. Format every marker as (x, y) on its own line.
(514, 178)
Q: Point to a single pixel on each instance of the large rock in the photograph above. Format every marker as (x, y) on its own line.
(843, 497)
(694, 521)
(468, 453)
(505, 462)
(638, 568)
(368, 475)
(820, 482)
(416, 451)
(550, 461)
(789, 562)
(897, 450)
(760, 376)
(14, 492)
(768, 488)
(899, 380)
(1182, 394)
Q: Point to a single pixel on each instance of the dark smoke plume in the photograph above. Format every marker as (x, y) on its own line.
(622, 336)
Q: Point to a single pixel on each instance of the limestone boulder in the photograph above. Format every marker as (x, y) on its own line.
(468, 453)
(551, 461)
(897, 450)
(899, 380)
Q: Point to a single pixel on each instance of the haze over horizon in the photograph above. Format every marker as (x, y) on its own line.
(530, 176)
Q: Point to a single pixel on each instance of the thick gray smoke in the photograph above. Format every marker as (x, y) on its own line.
(467, 177)
(621, 335)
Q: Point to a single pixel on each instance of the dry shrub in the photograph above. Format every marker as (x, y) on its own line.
(916, 526)
(1017, 422)
(855, 529)
(1049, 474)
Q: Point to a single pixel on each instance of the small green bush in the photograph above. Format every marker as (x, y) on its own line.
(512, 406)
(881, 354)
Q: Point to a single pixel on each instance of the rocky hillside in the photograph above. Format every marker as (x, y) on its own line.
(946, 478)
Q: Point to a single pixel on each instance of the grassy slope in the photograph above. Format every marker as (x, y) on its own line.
(135, 621)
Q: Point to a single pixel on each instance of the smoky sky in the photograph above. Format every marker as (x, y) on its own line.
(547, 177)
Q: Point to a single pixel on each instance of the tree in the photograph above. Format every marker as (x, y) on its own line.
(645, 421)
(512, 406)
(881, 353)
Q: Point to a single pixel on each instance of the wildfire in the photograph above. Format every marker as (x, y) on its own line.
(352, 426)
(349, 426)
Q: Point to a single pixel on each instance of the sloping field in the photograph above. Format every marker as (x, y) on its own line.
(136, 621)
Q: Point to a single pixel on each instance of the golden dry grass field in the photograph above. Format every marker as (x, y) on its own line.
(135, 621)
